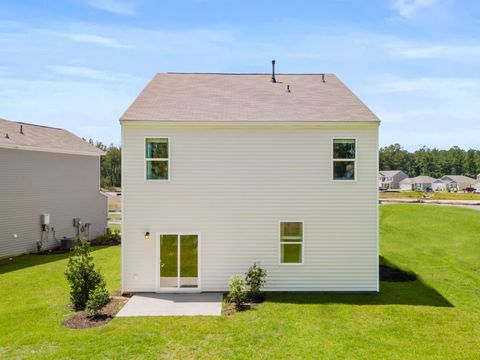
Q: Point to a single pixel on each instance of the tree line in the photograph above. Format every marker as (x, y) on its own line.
(110, 164)
(424, 161)
(431, 162)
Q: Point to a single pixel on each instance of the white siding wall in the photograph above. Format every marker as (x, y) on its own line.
(33, 183)
(234, 186)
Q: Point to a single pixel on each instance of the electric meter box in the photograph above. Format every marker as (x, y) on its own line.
(45, 219)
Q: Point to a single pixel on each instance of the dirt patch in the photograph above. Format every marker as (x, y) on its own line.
(389, 273)
(229, 308)
(81, 320)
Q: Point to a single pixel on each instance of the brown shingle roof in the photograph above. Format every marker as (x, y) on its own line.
(43, 138)
(247, 97)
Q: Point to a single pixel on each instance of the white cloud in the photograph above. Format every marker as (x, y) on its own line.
(439, 51)
(434, 111)
(437, 87)
(115, 6)
(5, 71)
(88, 109)
(408, 8)
(88, 73)
(97, 39)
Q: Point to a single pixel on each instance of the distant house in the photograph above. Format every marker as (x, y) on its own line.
(476, 185)
(49, 188)
(459, 182)
(390, 179)
(419, 183)
(442, 185)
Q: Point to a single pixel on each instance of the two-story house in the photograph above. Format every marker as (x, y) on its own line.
(390, 179)
(221, 170)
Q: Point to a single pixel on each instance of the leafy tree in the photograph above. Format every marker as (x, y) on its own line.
(110, 164)
(431, 162)
(470, 164)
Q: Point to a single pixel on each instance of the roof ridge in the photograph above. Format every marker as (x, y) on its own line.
(237, 73)
(25, 123)
(43, 126)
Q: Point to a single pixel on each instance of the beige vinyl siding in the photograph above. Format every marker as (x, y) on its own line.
(234, 185)
(33, 183)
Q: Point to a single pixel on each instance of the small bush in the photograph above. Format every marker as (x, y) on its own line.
(238, 291)
(111, 237)
(82, 275)
(255, 277)
(97, 300)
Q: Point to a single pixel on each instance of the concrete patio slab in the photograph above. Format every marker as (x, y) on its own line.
(150, 304)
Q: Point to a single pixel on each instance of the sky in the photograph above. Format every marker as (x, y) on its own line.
(78, 64)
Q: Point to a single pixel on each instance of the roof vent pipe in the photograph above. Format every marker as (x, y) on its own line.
(273, 72)
(288, 88)
(323, 77)
(6, 136)
(21, 129)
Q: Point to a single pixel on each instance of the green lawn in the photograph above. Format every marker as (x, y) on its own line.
(113, 227)
(433, 196)
(117, 217)
(437, 317)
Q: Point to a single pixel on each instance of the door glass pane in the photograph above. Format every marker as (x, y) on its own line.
(188, 261)
(168, 261)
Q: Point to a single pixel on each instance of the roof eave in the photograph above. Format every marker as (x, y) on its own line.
(51, 150)
(125, 121)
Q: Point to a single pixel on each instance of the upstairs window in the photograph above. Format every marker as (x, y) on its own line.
(344, 159)
(157, 158)
(291, 243)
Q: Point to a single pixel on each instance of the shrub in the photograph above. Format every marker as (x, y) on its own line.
(238, 291)
(97, 300)
(255, 278)
(81, 274)
(111, 237)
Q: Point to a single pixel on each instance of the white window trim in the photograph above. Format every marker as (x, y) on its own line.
(145, 159)
(280, 242)
(355, 160)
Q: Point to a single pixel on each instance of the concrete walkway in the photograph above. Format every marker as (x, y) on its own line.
(151, 304)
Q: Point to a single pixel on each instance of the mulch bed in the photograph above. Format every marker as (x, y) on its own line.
(105, 242)
(230, 309)
(82, 321)
(388, 273)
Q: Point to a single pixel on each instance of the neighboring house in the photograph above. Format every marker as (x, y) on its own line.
(390, 179)
(476, 185)
(48, 178)
(442, 185)
(459, 182)
(223, 170)
(419, 183)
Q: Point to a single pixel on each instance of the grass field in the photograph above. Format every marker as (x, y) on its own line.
(115, 217)
(113, 227)
(436, 317)
(434, 196)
